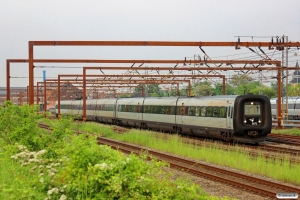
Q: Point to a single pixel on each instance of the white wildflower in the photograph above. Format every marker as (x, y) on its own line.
(41, 152)
(32, 153)
(21, 147)
(63, 197)
(54, 170)
(56, 190)
(51, 174)
(34, 160)
(101, 166)
(53, 190)
(41, 174)
(25, 163)
(42, 180)
(49, 192)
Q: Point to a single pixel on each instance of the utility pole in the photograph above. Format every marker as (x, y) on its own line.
(286, 81)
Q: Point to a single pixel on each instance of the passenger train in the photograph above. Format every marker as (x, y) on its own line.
(245, 118)
(293, 108)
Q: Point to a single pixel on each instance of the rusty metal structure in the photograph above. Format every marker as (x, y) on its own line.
(175, 62)
(279, 45)
(237, 45)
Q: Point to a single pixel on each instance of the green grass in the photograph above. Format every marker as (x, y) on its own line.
(15, 180)
(277, 169)
(292, 131)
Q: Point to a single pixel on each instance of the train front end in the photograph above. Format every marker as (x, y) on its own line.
(252, 119)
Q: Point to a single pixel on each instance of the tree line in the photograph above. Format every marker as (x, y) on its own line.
(237, 85)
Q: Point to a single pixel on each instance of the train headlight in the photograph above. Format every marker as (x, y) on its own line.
(245, 121)
(259, 121)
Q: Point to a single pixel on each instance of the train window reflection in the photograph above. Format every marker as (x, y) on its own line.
(172, 110)
(209, 111)
(191, 111)
(203, 111)
(197, 111)
(252, 109)
(216, 112)
(223, 112)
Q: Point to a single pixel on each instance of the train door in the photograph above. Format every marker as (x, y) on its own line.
(229, 116)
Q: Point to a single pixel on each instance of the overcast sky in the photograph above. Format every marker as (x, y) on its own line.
(159, 20)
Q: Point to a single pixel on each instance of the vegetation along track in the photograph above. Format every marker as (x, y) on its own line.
(256, 185)
(294, 153)
(270, 151)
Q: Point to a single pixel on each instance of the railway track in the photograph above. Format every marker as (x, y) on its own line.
(284, 138)
(249, 183)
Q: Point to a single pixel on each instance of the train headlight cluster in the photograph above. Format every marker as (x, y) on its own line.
(245, 121)
(259, 121)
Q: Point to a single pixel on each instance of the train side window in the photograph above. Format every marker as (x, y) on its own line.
(159, 109)
(138, 109)
(172, 110)
(223, 112)
(209, 111)
(229, 111)
(216, 111)
(197, 111)
(203, 111)
(168, 110)
(191, 111)
(181, 110)
(164, 110)
(231, 115)
(131, 108)
(154, 109)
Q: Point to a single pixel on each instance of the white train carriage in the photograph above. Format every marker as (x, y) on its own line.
(293, 108)
(205, 116)
(129, 111)
(101, 110)
(245, 118)
(70, 107)
(159, 113)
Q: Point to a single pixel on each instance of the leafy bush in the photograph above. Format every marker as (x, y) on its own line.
(62, 165)
(18, 124)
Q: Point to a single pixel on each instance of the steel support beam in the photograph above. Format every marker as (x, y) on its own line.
(237, 45)
(227, 62)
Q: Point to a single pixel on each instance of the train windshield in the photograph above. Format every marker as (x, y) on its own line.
(252, 113)
(252, 108)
